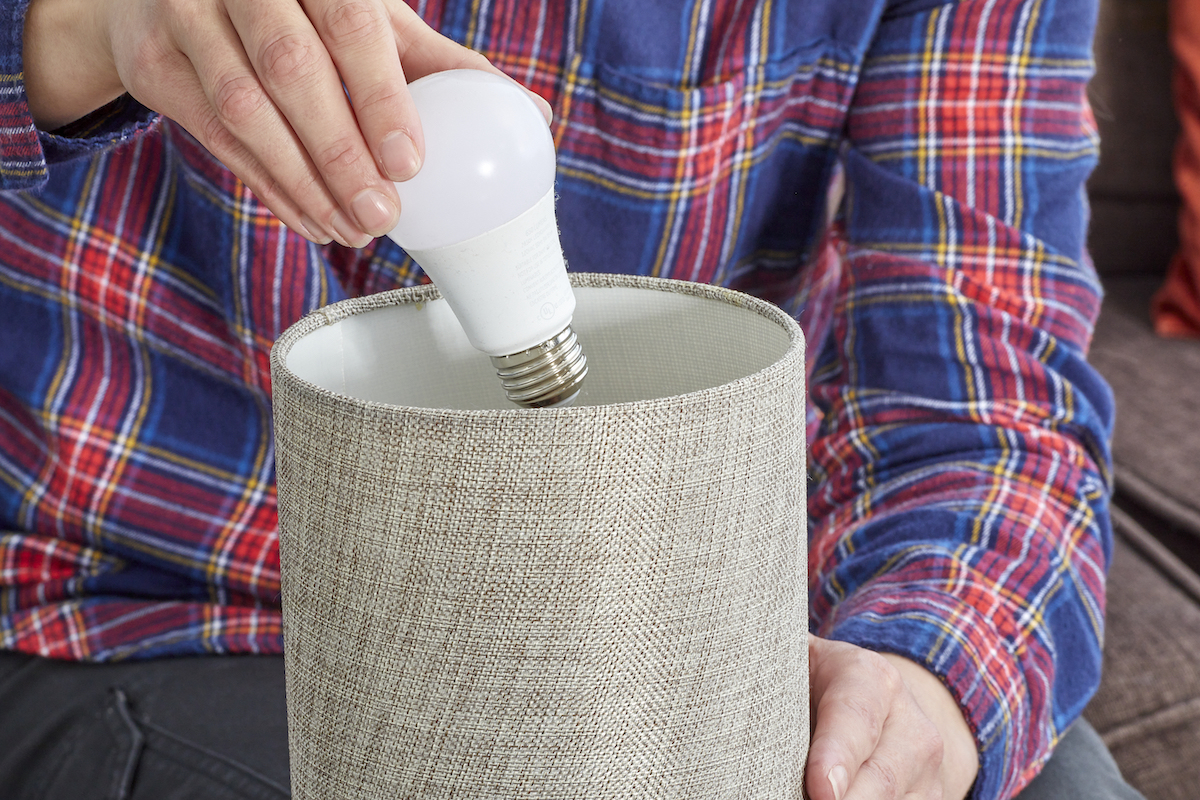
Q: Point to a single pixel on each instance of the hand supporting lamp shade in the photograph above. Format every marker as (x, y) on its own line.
(606, 601)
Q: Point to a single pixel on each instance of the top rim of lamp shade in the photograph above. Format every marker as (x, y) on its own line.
(787, 362)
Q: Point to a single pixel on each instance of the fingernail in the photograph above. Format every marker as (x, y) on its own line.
(544, 105)
(347, 233)
(400, 158)
(839, 779)
(314, 231)
(376, 213)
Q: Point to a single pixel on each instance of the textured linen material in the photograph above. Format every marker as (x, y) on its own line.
(604, 601)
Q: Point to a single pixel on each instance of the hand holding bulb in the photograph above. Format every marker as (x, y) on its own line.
(306, 102)
(479, 219)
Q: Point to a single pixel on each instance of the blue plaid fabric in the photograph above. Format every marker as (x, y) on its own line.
(959, 439)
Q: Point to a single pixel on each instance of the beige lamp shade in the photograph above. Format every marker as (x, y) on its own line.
(601, 601)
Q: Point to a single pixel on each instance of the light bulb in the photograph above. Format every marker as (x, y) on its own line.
(479, 219)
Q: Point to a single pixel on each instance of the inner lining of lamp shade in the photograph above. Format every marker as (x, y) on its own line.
(641, 344)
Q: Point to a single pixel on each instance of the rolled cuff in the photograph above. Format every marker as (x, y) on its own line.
(27, 152)
(975, 660)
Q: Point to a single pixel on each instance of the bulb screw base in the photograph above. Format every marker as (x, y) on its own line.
(548, 374)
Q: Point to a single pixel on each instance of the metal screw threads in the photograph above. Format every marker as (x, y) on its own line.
(549, 374)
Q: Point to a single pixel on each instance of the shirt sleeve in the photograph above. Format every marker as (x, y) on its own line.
(25, 151)
(959, 513)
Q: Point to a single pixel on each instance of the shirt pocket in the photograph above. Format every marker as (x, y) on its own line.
(704, 183)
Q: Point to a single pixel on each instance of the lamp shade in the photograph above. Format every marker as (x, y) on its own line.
(601, 601)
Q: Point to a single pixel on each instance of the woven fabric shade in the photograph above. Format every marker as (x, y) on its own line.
(602, 601)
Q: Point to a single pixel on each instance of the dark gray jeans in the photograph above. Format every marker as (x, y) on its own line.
(215, 728)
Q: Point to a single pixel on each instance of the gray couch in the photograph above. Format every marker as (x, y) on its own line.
(1148, 706)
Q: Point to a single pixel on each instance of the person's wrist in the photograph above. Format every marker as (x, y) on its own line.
(960, 758)
(67, 68)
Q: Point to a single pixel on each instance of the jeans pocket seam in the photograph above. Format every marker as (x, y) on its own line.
(122, 780)
(67, 747)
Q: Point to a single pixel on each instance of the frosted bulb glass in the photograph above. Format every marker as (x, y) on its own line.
(479, 219)
(489, 157)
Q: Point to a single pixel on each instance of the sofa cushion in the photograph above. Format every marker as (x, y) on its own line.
(1148, 707)
(1156, 444)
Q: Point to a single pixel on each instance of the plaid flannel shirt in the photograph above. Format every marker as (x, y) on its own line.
(958, 509)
